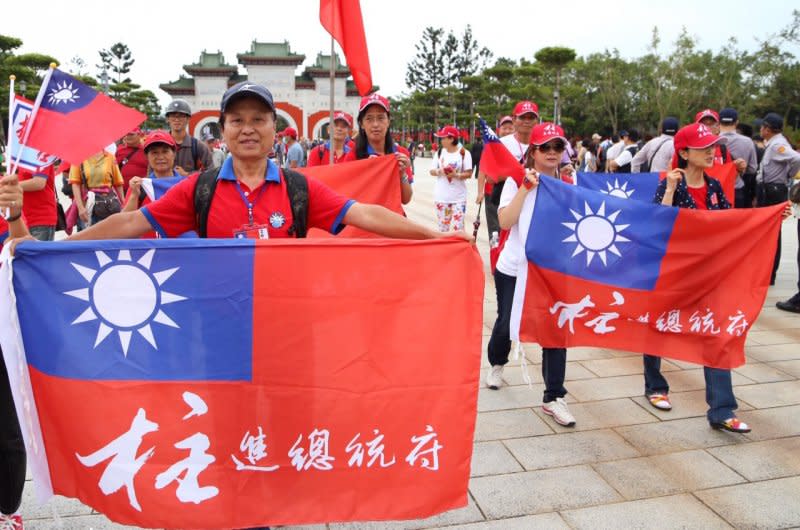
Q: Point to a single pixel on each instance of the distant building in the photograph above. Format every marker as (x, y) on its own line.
(302, 101)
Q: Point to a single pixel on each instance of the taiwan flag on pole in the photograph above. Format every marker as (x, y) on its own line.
(642, 186)
(497, 162)
(231, 384)
(615, 273)
(29, 158)
(74, 121)
(342, 19)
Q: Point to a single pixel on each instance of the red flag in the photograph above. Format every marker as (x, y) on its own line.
(342, 19)
(75, 121)
(496, 161)
(617, 273)
(726, 175)
(370, 181)
(286, 391)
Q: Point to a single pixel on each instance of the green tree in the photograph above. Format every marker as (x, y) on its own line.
(116, 62)
(555, 59)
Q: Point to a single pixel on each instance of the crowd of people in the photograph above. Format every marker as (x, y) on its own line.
(246, 184)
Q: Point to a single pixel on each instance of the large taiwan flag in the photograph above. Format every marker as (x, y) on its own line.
(74, 121)
(233, 384)
(642, 186)
(615, 273)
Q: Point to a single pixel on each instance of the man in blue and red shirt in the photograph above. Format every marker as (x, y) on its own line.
(39, 207)
(250, 196)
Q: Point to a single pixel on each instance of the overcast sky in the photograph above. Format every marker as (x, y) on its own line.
(163, 36)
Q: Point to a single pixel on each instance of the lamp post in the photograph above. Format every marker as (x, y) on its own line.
(556, 116)
(23, 86)
(104, 80)
(472, 120)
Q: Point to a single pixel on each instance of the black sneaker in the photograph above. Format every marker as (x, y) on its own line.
(792, 304)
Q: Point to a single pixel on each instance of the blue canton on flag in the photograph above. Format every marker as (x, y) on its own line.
(65, 94)
(637, 186)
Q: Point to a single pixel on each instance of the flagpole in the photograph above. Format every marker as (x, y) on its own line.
(330, 118)
(34, 111)
(10, 131)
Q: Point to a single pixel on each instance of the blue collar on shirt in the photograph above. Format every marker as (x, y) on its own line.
(345, 149)
(226, 171)
(371, 151)
(152, 174)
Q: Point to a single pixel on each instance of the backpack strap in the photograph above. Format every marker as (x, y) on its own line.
(723, 151)
(194, 153)
(297, 190)
(203, 194)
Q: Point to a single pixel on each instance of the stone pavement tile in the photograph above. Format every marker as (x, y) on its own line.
(80, 522)
(684, 405)
(775, 322)
(778, 336)
(467, 514)
(63, 506)
(678, 511)
(767, 395)
(543, 521)
(762, 373)
(768, 424)
(762, 460)
(503, 424)
(588, 354)
(492, 458)
(693, 379)
(622, 366)
(654, 476)
(512, 374)
(541, 491)
(790, 367)
(509, 397)
(570, 449)
(677, 435)
(607, 388)
(782, 352)
(770, 504)
(601, 415)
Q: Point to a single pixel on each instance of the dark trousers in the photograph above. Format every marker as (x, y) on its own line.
(742, 199)
(12, 448)
(492, 222)
(719, 388)
(554, 370)
(769, 194)
(500, 341)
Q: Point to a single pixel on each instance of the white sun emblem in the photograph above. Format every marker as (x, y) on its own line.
(618, 191)
(63, 93)
(125, 297)
(595, 233)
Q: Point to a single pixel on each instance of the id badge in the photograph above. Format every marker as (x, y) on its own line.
(252, 232)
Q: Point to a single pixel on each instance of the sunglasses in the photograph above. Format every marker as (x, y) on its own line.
(552, 146)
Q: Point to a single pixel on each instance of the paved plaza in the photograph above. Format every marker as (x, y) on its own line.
(624, 465)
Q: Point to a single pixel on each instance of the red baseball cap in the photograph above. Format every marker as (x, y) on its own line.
(373, 99)
(339, 115)
(706, 113)
(448, 130)
(544, 132)
(159, 137)
(505, 119)
(696, 136)
(137, 130)
(289, 131)
(526, 107)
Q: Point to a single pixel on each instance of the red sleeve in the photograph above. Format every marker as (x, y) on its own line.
(173, 214)
(326, 208)
(350, 155)
(315, 157)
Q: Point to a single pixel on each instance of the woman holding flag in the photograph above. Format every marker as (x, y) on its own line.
(515, 209)
(452, 166)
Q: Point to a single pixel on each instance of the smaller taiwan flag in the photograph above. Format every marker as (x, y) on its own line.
(497, 162)
(74, 121)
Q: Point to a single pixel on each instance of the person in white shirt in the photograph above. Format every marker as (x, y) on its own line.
(615, 150)
(656, 155)
(452, 165)
(543, 157)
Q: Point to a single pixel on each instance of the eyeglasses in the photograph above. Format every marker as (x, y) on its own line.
(558, 147)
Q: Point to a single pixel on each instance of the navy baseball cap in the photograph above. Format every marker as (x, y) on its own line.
(773, 121)
(728, 116)
(246, 88)
(670, 125)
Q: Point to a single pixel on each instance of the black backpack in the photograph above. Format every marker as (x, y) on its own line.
(296, 189)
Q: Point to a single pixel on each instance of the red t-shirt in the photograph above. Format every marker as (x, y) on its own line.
(349, 157)
(174, 214)
(136, 166)
(319, 156)
(39, 207)
(699, 196)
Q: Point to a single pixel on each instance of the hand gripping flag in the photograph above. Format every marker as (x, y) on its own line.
(232, 384)
(155, 188)
(342, 19)
(29, 158)
(615, 273)
(75, 121)
(497, 162)
(642, 186)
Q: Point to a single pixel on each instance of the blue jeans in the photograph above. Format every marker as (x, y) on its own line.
(554, 370)
(719, 388)
(500, 341)
(43, 232)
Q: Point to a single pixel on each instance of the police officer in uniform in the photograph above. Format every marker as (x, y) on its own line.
(779, 165)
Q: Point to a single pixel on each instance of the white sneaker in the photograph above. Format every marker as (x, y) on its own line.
(559, 411)
(494, 379)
